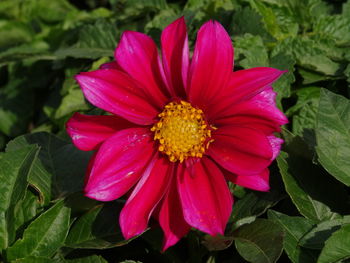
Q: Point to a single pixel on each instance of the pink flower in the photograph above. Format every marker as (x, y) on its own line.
(180, 128)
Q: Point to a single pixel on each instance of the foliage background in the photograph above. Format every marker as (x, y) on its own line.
(45, 218)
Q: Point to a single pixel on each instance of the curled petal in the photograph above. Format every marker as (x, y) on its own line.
(171, 218)
(275, 145)
(137, 54)
(145, 197)
(259, 182)
(116, 92)
(243, 85)
(119, 163)
(111, 65)
(260, 113)
(257, 121)
(175, 56)
(88, 132)
(211, 65)
(241, 150)
(205, 197)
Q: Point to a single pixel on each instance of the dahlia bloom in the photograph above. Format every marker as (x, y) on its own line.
(179, 128)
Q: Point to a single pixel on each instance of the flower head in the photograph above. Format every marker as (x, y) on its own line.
(179, 128)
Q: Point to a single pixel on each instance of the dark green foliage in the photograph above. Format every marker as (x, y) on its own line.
(44, 216)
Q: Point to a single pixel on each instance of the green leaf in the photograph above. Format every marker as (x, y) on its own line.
(53, 11)
(16, 103)
(333, 135)
(247, 20)
(97, 229)
(303, 12)
(283, 85)
(218, 242)
(14, 33)
(251, 206)
(280, 13)
(269, 18)
(72, 102)
(157, 4)
(95, 41)
(251, 241)
(346, 9)
(72, 97)
(309, 54)
(319, 63)
(32, 259)
(18, 94)
(337, 247)
(317, 236)
(26, 209)
(47, 12)
(335, 27)
(44, 235)
(312, 200)
(204, 8)
(286, 20)
(310, 76)
(60, 167)
(305, 96)
(14, 169)
(35, 50)
(294, 228)
(252, 49)
(164, 17)
(347, 74)
(90, 259)
(84, 52)
(305, 110)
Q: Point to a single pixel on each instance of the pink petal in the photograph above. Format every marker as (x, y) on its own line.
(253, 120)
(260, 113)
(144, 198)
(240, 150)
(137, 54)
(175, 55)
(119, 164)
(276, 144)
(205, 197)
(243, 85)
(259, 182)
(118, 93)
(171, 218)
(211, 65)
(111, 65)
(88, 132)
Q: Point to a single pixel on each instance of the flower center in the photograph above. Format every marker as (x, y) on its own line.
(182, 131)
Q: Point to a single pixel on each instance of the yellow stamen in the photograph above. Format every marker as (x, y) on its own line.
(182, 131)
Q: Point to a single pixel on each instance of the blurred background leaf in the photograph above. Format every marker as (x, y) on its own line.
(44, 44)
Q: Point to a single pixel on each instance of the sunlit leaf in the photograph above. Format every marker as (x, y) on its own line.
(44, 235)
(98, 228)
(337, 247)
(14, 169)
(333, 135)
(317, 236)
(60, 167)
(312, 200)
(251, 241)
(295, 228)
(95, 41)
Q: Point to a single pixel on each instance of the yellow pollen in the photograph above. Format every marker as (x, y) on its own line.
(182, 131)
